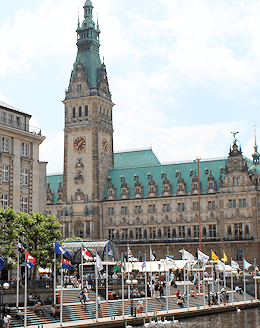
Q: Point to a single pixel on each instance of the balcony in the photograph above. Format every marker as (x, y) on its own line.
(167, 240)
(19, 126)
(238, 238)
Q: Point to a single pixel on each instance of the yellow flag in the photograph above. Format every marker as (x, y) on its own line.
(224, 257)
(214, 256)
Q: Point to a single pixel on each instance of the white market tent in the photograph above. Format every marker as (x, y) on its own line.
(155, 266)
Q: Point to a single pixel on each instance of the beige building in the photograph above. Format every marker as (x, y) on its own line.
(22, 176)
(130, 197)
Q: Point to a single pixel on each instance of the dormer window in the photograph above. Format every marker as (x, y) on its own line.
(181, 186)
(195, 186)
(79, 88)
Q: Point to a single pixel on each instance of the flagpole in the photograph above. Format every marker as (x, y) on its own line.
(255, 281)
(55, 276)
(151, 273)
(232, 283)
(199, 275)
(167, 286)
(17, 277)
(218, 288)
(145, 286)
(128, 277)
(81, 266)
(244, 283)
(188, 290)
(25, 293)
(107, 276)
(204, 299)
(123, 289)
(96, 273)
(61, 291)
(212, 273)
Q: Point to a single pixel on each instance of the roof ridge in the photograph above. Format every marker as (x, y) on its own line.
(131, 150)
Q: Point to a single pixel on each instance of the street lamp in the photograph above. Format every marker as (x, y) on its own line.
(132, 283)
(4, 287)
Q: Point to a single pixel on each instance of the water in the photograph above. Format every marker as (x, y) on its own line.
(249, 318)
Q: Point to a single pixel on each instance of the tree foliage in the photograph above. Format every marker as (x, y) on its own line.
(36, 231)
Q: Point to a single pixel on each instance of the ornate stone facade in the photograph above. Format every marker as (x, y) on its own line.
(22, 176)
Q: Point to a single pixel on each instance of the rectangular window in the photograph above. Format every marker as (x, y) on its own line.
(58, 214)
(213, 230)
(238, 229)
(18, 122)
(25, 149)
(195, 206)
(182, 206)
(11, 119)
(164, 208)
(152, 209)
(4, 201)
(168, 207)
(234, 203)
(5, 145)
(244, 202)
(212, 205)
(230, 203)
(25, 205)
(240, 203)
(138, 209)
(25, 177)
(5, 173)
(151, 233)
(196, 231)
(109, 211)
(3, 118)
(182, 231)
(124, 210)
(209, 205)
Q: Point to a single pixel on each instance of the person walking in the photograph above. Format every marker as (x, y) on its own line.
(99, 305)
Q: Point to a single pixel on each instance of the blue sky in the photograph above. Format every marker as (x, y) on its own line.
(183, 74)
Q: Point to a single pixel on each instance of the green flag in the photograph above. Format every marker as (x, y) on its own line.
(118, 265)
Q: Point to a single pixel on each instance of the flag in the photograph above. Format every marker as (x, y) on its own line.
(256, 267)
(224, 259)
(152, 258)
(109, 251)
(202, 257)
(234, 265)
(21, 247)
(99, 263)
(130, 255)
(85, 253)
(2, 263)
(61, 250)
(214, 256)
(30, 261)
(118, 265)
(186, 255)
(144, 264)
(246, 265)
(221, 265)
(66, 264)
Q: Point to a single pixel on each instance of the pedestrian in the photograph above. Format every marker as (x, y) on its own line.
(6, 320)
(99, 304)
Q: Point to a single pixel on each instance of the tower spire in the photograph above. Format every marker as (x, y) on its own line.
(255, 155)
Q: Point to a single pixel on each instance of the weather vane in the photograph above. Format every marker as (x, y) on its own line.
(234, 135)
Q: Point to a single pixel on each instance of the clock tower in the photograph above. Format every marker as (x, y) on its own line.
(88, 132)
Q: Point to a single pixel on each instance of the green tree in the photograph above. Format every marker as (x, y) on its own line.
(74, 239)
(39, 231)
(8, 235)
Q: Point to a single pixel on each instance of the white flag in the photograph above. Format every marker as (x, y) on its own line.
(99, 263)
(202, 257)
(152, 258)
(234, 265)
(221, 265)
(186, 255)
(246, 265)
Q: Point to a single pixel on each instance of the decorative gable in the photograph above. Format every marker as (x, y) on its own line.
(181, 186)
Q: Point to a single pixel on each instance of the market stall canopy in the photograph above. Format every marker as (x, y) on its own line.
(93, 246)
(156, 266)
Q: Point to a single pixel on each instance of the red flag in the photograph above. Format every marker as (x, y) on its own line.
(85, 253)
(30, 261)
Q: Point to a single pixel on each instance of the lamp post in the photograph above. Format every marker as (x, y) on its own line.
(5, 286)
(132, 283)
(198, 161)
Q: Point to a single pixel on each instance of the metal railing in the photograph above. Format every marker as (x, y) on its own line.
(20, 125)
(32, 284)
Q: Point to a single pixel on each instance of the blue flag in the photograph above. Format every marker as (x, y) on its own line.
(2, 263)
(144, 264)
(61, 250)
(66, 264)
(109, 251)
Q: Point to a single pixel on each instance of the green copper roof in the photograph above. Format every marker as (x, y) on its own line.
(172, 170)
(54, 184)
(135, 158)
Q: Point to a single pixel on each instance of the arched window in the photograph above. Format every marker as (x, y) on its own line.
(145, 233)
(239, 254)
(204, 232)
(229, 230)
(86, 110)
(173, 233)
(189, 232)
(159, 233)
(234, 181)
(73, 112)
(238, 181)
(80, 111)
(247, 230)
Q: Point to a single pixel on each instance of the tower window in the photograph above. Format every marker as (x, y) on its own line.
(86, 110)
(80, 111)
(73, 112)
(79, 87)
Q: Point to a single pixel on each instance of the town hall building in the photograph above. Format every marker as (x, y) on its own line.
(130, 197)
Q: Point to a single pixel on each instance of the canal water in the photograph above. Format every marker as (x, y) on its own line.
(249, 318)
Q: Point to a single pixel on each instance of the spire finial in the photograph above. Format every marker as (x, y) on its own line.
(78, 18)
(255, 133)
(97, 21)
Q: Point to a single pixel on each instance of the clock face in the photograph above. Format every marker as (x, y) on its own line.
(105, 145)
(79, 144)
